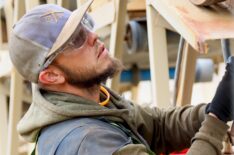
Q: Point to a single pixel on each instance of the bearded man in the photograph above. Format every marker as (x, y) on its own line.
(73, 113)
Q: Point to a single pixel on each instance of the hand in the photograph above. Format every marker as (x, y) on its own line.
(222, 105)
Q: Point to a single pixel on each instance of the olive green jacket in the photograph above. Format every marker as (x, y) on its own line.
(162, 131)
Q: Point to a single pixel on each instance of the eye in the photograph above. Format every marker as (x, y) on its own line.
(80, 38)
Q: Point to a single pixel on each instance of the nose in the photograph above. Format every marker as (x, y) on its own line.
(92, 38)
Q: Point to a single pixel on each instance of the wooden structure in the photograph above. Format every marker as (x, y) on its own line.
(117, 37)
(214, 22)
(197, 25)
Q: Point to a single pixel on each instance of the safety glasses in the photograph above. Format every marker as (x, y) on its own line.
(80, 36)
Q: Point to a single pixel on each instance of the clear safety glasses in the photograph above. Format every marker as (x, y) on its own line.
(77, 39)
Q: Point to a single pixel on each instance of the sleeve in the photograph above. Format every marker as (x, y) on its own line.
(209, 138)
(169, 130)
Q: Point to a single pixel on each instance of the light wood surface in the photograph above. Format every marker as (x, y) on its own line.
(136, 5)
(1, 29)
(30, 4)
(16, 88)
(158, 60)
(3, 120)
(117, 37)
(51, 1)
(186, 76)
(197, 24)
(102, 18)
(8, 9)
(63, 3)
(161, 22)
(15, 112)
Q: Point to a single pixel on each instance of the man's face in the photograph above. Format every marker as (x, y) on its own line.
(89, 64)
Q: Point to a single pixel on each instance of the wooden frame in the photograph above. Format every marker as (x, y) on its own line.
(14, 112)
(29, 4)
(16, 89)
(214, 22)
(186, 76)
(101, 17)
(158, 59)
(117, 37)
(3, 120)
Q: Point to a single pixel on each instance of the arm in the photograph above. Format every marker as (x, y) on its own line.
(169, 130)
(209, 138)
(221, 110)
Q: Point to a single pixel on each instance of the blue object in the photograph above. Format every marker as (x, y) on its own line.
(127, 75)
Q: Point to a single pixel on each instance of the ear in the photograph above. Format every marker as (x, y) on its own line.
(51, 76)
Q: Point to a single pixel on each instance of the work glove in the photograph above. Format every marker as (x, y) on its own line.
(222, 105)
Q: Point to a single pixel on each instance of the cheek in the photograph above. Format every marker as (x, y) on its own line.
(83, 58)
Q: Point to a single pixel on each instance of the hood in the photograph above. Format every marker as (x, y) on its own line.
(52, 107)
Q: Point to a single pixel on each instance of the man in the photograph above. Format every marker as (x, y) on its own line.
(73, 113)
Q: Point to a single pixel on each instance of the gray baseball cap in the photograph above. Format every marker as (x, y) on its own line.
(40, 33)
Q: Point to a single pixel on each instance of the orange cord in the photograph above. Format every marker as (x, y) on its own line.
(107, 95)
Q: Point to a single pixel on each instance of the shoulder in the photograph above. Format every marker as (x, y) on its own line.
(81, 136)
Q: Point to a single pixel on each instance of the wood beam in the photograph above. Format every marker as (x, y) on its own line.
(3, 120)
(186, 76)
(16, 89)
(29, 4)
(158, 59)
(15, 111)
(117, 37)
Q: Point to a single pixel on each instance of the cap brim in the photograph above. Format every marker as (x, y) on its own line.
(70, 26)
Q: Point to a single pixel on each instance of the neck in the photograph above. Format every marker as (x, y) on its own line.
(91, 93)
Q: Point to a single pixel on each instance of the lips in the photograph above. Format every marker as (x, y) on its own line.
(101, 48)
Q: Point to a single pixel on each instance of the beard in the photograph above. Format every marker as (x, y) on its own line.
(88, 77)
